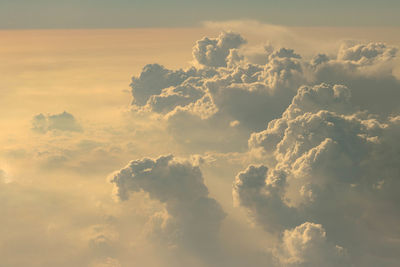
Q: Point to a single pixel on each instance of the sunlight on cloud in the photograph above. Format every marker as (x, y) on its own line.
(273, 148)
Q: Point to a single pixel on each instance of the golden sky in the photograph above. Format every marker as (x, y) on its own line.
(56, 201)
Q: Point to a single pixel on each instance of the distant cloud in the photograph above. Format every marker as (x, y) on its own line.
(108, 262)
(59, 122)
(364, 54)
(213, 52)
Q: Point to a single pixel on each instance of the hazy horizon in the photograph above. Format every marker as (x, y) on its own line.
(177, 13)
(220, 142)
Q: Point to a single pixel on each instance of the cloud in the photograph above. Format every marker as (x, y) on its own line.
(264, 31)
(263, 198)
(229, 84)
(321, 129)
(153, 79)
(55, 122)
(367, 69)
(170, 97)
(327, 162)
(213, 52)
(102, 239)
(366, 54)
(219, 92)
(311, 143)
(45, 225)
(191, 219)
(307, 245)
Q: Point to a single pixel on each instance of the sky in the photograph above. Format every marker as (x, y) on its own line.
(196, 134)
(19, 14)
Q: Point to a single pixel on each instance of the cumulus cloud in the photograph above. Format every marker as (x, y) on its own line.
(307, 245)
(330, 126)
(366, 54)
(263, 198)
(326, 161)
(55, 122)
(311, 143)
(229, 84)
(154, 78)
(213, 52)
(367, 69)
(214, 95)
(191, 219)
(321, 131)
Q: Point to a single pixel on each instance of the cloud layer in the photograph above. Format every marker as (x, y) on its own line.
(281, 158)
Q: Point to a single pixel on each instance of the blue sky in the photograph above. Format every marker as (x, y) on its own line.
(179, 13)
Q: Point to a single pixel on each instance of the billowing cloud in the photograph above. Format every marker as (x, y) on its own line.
(306, 245)
(310, 144)
(367, 70)
(232, 86)
(327, 162)
(214, 52)
(55, 122)
(330, 126)
(366, 54)
(154, 78)
(191, 219)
